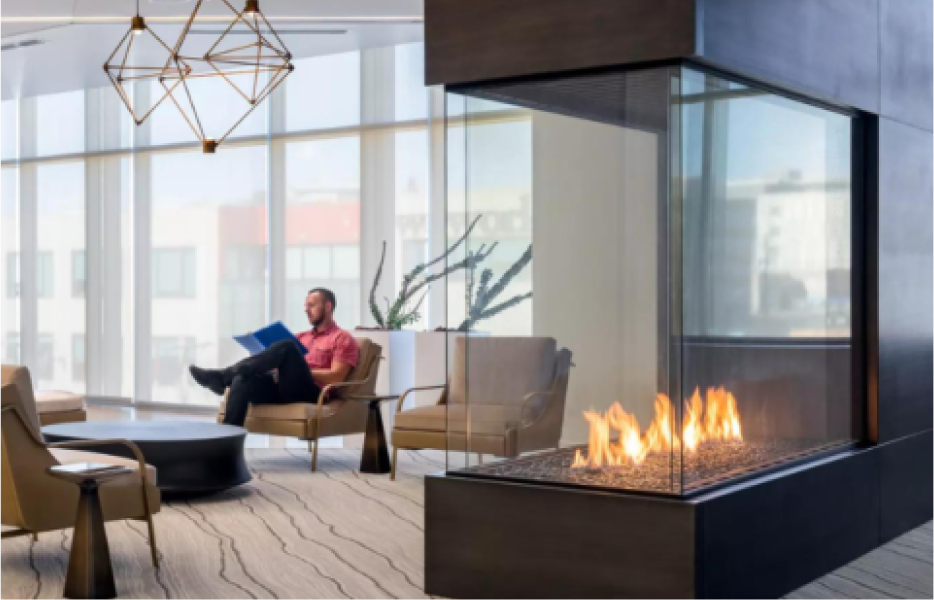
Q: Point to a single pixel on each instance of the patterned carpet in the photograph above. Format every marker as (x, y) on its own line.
(289, 533)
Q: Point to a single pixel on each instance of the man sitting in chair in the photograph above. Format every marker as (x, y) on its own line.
(332, 353)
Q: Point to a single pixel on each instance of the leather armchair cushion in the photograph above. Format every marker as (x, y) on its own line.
(296, 411)
(55, 401)
(65, 456)
(484, 420)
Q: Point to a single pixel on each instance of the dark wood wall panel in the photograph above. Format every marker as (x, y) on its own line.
(906, 484)
(829, 48)
(905, 302)
(906, 27)
(475, 40)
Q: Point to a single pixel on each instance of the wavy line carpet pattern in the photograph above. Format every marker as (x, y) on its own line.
(289, 533)
(337, 533)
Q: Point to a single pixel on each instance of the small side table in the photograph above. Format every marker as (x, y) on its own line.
(90, 573)
(375, 458)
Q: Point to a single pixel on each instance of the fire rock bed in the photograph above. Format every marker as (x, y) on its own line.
(713, 463)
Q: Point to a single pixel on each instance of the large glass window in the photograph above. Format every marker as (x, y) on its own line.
(323, 93)
(204, 207)
(9, 125)
(411, 96)
(127, 254)
(219, 106)
(60, 210)
(59, 123)
(9, 239)
(322, 226)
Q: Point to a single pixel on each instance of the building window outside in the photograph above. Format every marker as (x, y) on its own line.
(46, 281)
(78, 357)
(171, 357)
(45, 284)
(79, 273)
(12, 347)
(334, 267)
(12, 275)
(174, 273)
(45, 364)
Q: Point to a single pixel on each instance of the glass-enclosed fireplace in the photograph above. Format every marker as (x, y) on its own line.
(686, 316)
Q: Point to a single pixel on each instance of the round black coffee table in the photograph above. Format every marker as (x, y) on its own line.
(190, 458)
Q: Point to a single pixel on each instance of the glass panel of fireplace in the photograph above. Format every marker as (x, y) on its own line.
(692, 251)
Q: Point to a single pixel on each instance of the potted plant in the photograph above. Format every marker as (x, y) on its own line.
(398, 371)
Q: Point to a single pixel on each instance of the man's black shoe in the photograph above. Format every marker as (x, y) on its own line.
(213, 379)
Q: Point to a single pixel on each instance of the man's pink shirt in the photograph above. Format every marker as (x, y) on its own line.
(327, 345)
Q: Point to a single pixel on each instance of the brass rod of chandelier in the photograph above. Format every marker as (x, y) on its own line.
(239, 72)
(161, 100)
(268, 26)
(252, 108)
(184, 115)
(194, 109)
(259, 53)
(117, 49)
(227, 79)
(126, 55)
(250, 45)
(221, 36)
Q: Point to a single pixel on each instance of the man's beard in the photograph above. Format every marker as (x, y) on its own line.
(316, 322)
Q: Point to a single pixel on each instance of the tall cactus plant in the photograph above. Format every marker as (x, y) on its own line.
(402, 311)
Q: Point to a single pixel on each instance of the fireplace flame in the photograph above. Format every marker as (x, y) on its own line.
(717, 419)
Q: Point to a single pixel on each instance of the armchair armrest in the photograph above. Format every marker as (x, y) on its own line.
(22, 419)
(137, 453)
(416, 389)
(528, 405)
(332, 386)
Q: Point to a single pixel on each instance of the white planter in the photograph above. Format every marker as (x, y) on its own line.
(396, 370)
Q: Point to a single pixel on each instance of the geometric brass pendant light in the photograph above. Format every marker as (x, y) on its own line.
(253, 69)
(124, 71)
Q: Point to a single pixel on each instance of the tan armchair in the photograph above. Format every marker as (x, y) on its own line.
(515, 403)
(33, 501)
(314, 420)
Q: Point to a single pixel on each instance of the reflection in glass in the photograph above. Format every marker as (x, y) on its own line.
(766, 214)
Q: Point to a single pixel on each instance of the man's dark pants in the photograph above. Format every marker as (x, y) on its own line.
(252, 382)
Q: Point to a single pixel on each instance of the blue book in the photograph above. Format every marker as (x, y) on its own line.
(260, 340)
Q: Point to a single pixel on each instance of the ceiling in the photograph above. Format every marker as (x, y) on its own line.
(56, 46)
